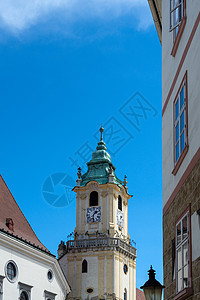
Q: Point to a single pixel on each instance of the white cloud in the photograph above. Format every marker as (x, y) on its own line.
(19, 15)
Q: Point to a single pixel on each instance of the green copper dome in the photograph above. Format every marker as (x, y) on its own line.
(100, 167)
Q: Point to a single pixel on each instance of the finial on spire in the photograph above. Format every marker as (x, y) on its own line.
(79, 172)
(101, 130)
(125, 180)
(79, 177)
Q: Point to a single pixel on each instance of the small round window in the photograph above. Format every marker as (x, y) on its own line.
(50, 275)
(11, 271)
(90, 290)
(125, 269)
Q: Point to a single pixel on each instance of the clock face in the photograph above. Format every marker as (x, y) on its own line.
(93, 214)
(120, 218)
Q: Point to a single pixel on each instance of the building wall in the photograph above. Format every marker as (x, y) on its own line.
(33, 266)
(189, 195)
(182, 189)
(191, 64)
(105, 274)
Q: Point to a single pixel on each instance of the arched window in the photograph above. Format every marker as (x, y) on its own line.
(24, 296)
(125, 294)
(119, 202)
(94, 199)
(84, 266)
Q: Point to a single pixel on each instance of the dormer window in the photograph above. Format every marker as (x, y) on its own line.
(93, 199)
(120, 202)
(10, 224)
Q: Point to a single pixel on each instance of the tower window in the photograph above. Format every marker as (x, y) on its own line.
(94, 199)
(125, 294)
(84, 266)
(120, 203)
(24, 296)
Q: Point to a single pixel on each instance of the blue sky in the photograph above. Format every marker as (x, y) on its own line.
(65, 69)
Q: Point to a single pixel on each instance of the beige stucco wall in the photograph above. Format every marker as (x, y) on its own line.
(105, 274)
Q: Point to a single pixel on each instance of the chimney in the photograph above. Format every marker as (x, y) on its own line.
(10, 224)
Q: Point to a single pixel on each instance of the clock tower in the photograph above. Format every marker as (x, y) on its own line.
(100, 262)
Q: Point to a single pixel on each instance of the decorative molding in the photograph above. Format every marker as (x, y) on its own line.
(115, 195)
(83, 196)
(93, 186)
(104, 194)
(49, 295)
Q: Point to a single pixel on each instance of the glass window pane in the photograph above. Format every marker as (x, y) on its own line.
(182, 141)
(177, 108)
(177, 131)
(177, 151)
(176, 32)
(185, 227)
(182, 121)
(185, 276)
(176, 16)
(179, 281)
(178, 234)
(179, 259)
(182, 96)
(185, 254)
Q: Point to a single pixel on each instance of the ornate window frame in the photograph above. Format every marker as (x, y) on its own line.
(49, 296)
(24, 288)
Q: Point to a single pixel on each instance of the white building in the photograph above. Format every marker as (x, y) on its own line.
(178, 27)
(27, 269)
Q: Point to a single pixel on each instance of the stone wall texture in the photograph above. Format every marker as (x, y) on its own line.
(189, 194)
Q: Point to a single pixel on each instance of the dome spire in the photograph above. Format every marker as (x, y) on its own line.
(101, 130)
(100, 167)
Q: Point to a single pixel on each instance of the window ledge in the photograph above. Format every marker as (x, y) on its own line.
(179, 35)
(180, 160)
(184, 294)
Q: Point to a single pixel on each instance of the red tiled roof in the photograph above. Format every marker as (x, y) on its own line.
(139, 294)
(10, 209)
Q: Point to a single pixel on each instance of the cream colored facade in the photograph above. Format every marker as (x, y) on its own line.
(104, 245)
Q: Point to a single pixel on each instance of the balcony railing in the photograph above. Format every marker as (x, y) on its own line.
(101, 243)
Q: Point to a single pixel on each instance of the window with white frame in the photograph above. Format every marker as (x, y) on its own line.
(176, 15)
(182, 253)
(180, 121)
